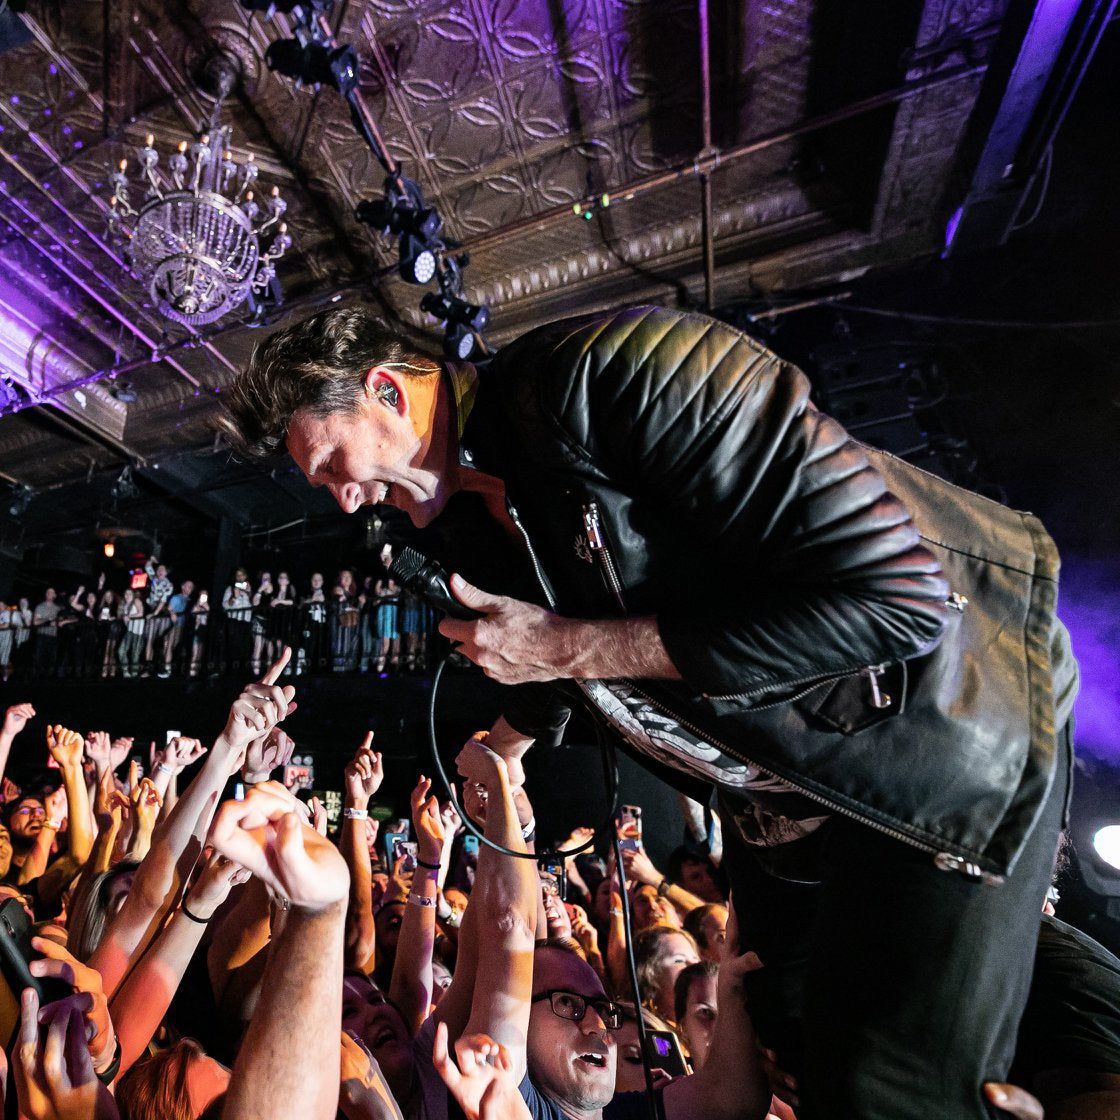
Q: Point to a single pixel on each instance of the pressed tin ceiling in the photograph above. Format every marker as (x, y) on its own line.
(506, 112)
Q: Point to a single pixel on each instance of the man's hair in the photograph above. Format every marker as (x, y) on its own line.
(683, 985)
(317, 364)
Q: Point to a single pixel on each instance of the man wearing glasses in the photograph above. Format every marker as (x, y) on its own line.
(571, 1051)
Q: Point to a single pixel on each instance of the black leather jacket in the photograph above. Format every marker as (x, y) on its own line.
(885, 642)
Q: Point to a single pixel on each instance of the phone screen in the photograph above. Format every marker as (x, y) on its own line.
(405, 851)
(470, 845)
(169, 735)
(665, 1053)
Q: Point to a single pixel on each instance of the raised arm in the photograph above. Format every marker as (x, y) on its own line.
(411, 988)
(178, 838)
(300, 1006)
(66, 748)
(506, 894)
(363, 777)
(15, 720)
(142, 1000)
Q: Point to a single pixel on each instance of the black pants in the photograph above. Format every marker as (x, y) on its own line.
(893, 990)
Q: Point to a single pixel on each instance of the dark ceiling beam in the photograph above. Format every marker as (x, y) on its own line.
(1041, 78)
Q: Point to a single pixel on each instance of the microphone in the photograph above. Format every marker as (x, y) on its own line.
(425, 578)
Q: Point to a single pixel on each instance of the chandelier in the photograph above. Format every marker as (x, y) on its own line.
(200, 240)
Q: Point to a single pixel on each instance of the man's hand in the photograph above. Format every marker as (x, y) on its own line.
(266, 834)
(481, 1079)
(59, 963)
(515, 642)
(427, 824)
(56, 807)
(211, 889)
(55, 1079)
(318, 816)
(363, 775)
(66, 747)
(9, 791)
(119, 749)
(267, 754)
(582, 929)
(1013, 1100)
(15, 719)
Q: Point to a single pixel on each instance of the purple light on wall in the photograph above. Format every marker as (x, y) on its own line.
(1089, 605)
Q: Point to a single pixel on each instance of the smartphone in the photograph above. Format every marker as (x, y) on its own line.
(554, 869)
(169, 735)
(239, 791)
(389, 842)
(663, 1051)
(630, 827)
(16, 954)
(548, 883)
(405, 851)
(470, 844)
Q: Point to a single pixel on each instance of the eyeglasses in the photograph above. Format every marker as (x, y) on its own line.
(573, 1006)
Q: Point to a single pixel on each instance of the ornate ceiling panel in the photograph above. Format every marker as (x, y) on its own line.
(507, 112)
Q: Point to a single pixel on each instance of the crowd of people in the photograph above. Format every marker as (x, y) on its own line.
(356, 623)
(214, 948)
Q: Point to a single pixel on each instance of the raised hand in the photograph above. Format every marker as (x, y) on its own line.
(639, 867)
(260, 707)
(363, 775)
(478, 763)
(481, 1077)
(211, 889)
(59, 963)
(118, 750)
(54, 1077)
(56, 806)
(265, 834)
(9, 791)
(427, 825)
(65, 746)
(582, 929)
(1013, 1100)
(15, 719)
(110, 805)
(98, 751)
(181, 752)
(266, 754)
(146, 802)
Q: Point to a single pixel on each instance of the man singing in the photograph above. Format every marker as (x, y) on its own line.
(862, 659)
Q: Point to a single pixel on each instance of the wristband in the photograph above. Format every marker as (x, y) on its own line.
(428, 866)
(529, 828)
(663, 888)
(54, 824)
(422, 900)
(352, 814)
(106, 1075)
(193, 917)
(164, 768)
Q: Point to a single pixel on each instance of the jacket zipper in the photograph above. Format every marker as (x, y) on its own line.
(943, 860)
(594, 530)
(515, 517)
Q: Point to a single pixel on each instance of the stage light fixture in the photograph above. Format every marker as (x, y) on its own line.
(417, 227)
(462, 322)
(1106, 843)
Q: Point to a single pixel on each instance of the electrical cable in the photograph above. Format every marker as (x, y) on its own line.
(951, 320)
(609, 759)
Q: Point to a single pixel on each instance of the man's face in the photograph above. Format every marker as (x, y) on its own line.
(573, 1063)
(27, 819)
(49, 595)
(376, 453)
(700, 1015)
(697, 877)
(187, 588)
(161, 571)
